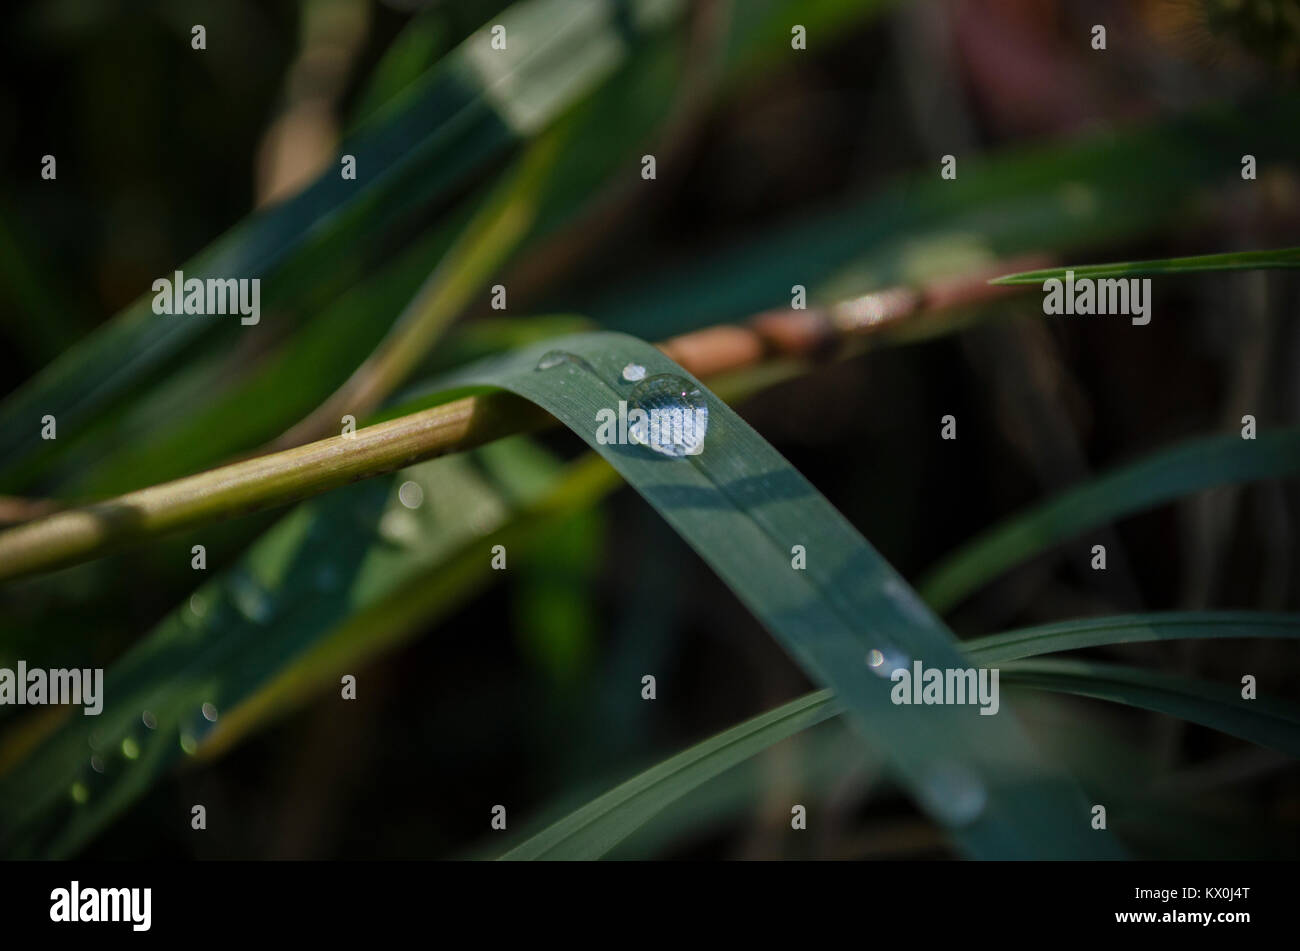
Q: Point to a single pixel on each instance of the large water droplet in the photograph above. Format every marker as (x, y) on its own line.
(558, 358)
(954, 793)
(677, 415)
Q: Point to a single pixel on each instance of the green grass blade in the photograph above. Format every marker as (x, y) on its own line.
(1131, 629)
(1190, 467)
(742, 508)
(319, 568)
(468, 111)
(1264, 720)
(604, 822)
(1230, 261)
(592, 830)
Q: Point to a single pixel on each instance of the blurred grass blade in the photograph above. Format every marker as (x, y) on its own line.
(595, 828)
(1061, 198)
(1231, 261)
(326, 564)
(1191, 467)
(465, 113)
(1264, 720)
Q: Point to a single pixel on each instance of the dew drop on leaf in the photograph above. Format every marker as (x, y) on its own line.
(677, 416)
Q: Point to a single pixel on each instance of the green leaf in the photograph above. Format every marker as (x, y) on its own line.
(1063, 198)
(600, 825)
(284, 609)
(1264, 720)
(1230, 261)
(742, 508)
(419, 148)
(1190, 467)
(595, 828)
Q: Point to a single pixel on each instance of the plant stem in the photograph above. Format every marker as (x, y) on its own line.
(278, 478)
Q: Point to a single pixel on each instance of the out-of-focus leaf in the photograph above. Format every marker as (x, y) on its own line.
(595, 828)
(1191, 467)
(321, 565)
(1057, 198)
(469, 110)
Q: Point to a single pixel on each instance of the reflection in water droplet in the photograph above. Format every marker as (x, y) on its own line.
(677, 416)
(411, 495)
(149, 720)
(188, 743)
(97, 764)
(634, 372)
(250, 598)
(954, 793)
(79, 792)
(130, 748)
(884, 662)
(210, 713)
(555, 358)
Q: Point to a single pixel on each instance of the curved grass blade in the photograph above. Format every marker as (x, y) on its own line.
(1191, 467)
(1132, 629)
(1264, 720)
(598, 826)
(742, 508)
(1229, 261)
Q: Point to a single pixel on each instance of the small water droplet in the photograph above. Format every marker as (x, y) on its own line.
(954, 793)
(198, 605)
(884, 661)
(130, 748)
(411, 495)
(188, 743)
(94, 739)
(149, 720)
(210, 713)
(634, 373)
(250, 598)
(677, 416)
(97, 764)
(79, 793)
(557, 358)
